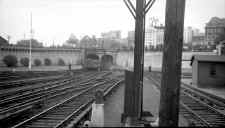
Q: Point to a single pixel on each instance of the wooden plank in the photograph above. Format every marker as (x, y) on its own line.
(171, 67)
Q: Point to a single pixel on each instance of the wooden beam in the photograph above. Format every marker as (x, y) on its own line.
(148, 6)
(148, 3)
(129, 8)
(171, 67)
(131, 5)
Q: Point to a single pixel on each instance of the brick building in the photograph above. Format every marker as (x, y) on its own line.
(213, 28)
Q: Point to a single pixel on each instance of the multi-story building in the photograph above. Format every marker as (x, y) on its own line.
(150, 36)
(159, 34)
(213, 29)
(111, 35)
(196, 32)
(130, 39)
(198, 39)
(153, 36)
(187, 35)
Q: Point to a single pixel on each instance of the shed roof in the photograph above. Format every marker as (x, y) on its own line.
(207, 58)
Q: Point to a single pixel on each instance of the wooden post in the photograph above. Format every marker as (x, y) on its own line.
(171, 68)
(128, 96)
(138, 57)
(142, 62)
(135, 100)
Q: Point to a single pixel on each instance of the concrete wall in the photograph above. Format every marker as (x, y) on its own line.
(124, 59)
(68, 56)
(205, 79)
(72, 56)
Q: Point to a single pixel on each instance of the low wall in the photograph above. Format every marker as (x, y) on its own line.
(72, 56)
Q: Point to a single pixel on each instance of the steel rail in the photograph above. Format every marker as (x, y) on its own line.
(65, 106)
(18, 108)
(212, 100)
(40, 95)
(194, 105)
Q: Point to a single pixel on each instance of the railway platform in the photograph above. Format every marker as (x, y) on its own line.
(113, 107)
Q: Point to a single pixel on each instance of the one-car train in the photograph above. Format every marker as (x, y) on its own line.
(91, 64)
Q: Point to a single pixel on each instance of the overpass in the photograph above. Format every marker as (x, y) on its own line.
(68, 55)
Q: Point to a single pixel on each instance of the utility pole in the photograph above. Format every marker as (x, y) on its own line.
(139, 55)
(30, 41)
(134, 92)
(171, 67)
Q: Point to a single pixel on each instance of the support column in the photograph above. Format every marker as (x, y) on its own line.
(171, 67)
(135, 91)
(138, 57)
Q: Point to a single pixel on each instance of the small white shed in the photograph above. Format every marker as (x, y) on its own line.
(208, 70)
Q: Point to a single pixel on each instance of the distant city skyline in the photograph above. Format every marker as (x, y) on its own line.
(55, 20)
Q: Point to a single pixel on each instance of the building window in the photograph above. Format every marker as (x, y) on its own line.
(213, 70)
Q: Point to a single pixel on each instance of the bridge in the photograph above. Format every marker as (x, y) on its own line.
(68, 55)
(106, 57)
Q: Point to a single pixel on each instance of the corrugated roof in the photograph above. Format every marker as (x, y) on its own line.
(208, 58)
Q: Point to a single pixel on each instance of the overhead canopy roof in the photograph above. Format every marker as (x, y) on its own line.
(208, 58)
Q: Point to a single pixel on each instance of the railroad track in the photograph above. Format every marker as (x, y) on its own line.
(34, 95)
(48, 95)
(30, 85)
(8, 76)
(204, 115)
(196, 107)
(20, 100)
(24, 82)
(210, 99)
(63, 113)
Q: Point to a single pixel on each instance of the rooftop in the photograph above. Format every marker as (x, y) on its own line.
(208, 58)
(215, 21)
(3, 41)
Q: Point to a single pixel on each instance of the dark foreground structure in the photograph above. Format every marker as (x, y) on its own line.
(171, 67)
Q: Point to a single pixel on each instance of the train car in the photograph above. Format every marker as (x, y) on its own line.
(91, 64)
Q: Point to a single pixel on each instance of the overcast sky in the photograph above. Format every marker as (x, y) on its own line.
(57, 19)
